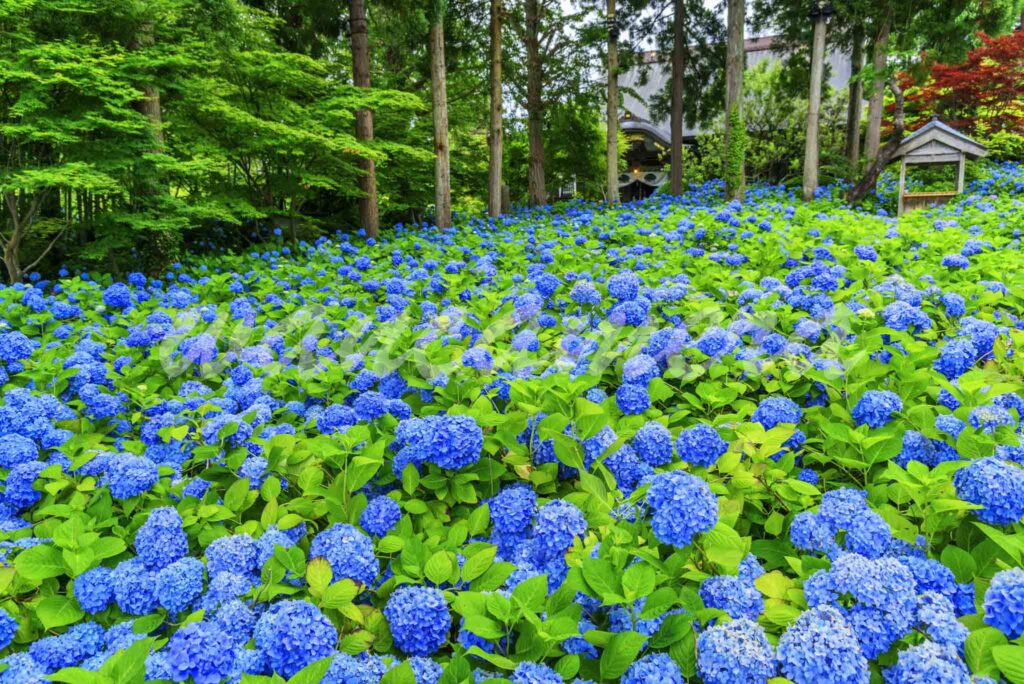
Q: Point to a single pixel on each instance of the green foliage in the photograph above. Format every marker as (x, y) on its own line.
(735, 149)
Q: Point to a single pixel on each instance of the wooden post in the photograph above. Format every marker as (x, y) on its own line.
(814, 104)
(495, 135)
(903, 178)
(612, 144)
(960, 174)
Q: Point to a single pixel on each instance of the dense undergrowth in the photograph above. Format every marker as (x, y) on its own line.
(676, 440)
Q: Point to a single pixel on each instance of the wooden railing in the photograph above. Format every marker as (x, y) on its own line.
(920, 200)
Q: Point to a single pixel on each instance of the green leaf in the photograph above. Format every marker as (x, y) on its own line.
(403, 674)
(76, 675)
(978, 650)
(361, 470)
(39, 563)
(724, 546)
(530, 594)
(620, 653)
(484, 627)
(312, 673)
(439, 568)
(1010, 660)
(601, 577)
(960, 562)
(339, 594)
(236, 495)
(57, 611)
(318, 575)
(477, 564)
(129, 666)
(638, 581)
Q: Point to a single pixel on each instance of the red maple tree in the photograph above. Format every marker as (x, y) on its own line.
(984, 94)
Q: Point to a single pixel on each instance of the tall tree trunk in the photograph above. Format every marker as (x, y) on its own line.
(855, 104)
(494, 136)
(534, 105)
(735, 128)
(159, 249)
(867, 183)
(813, 107)
(442, 169)
(149, 104)
(676, 122)
(880, 52)
(612, 150)
(369, 212)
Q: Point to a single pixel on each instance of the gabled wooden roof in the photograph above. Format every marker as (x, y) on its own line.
(937, 142)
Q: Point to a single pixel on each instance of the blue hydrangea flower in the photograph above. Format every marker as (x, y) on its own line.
(868, 535)
(179, 584)
(294, 634)
(558, 524)
(380, 516)
(236, 554)
(701, 445)
(347, 669)
(624, 286)
(632, 399)
(425, 670)
(513, 508)
(202, 652)
(988, 418)
(654, 667)
(810, 532)
(820, 648)
(134, 587)
(94, 589)
(20, 491)
(8, 628)
(955, 358)
(640, 370)
(927, 663)
(534, 673)
(17, 449)
(419, 619)
(877, 597)
(653, 444)
(236, 620)
(349, 551)
(69, 649)
(129, 475)
(773, 411)
(735, 652)
(875, 408)
(683, 507)
(938, 618)
(1004, 602)
(735, 595)
(161, 540)
(996, 486)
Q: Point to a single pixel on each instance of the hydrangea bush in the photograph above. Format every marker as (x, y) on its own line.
(677, 440)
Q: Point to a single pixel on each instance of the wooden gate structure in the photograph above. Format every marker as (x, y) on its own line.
(934, 143)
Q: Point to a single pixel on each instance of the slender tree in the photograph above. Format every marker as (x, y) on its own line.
(438, 83)
(369, 213)
(612, 150)
(856, 96)
(534, 105)
(676, 107)
(494, 136)
(820, 16)
(879, 57)
(735, 129)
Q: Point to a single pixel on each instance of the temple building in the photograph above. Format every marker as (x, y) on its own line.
(649, 140)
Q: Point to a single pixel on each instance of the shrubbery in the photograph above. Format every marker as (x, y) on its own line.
(675, 440)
